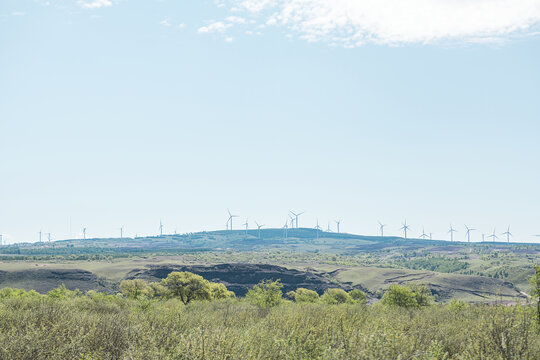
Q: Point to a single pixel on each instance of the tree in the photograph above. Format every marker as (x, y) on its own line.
(335, 296)
(187, 286)
(422, 295)
(134, 289)
(266, 293)
(302, 295)
(62, 292)
(398, 295)
(535, 290)
(358, 296)
(219, 291)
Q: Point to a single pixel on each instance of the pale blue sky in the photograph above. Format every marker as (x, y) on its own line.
(133, 111)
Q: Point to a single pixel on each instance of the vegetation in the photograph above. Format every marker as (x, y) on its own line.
(70, 325)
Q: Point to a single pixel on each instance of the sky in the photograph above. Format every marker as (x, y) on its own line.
(124, 112)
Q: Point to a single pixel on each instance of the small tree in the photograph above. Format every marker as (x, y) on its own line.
(302, 295)
(134, 289)
(187, 286)
(266, 293)
(535, 290)
(219, 291)
(62, 292)
(335, 296)
(398, 295)
(358, 296)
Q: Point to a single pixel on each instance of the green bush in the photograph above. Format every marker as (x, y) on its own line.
(335, 296)
(266, 294)
(302, 295)
(358, 296)
(398, 295)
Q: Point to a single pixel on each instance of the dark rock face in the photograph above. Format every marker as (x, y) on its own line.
(241, 277)
(44, 280)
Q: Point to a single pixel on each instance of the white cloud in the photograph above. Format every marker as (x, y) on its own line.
(18, 13)
(95, 4)
(217, 26)
(165, 23)
(355, 22)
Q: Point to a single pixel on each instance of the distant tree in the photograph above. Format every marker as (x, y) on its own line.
(266, 293)
(535, 290)
(135, 289)
(422, 295)
(17, 293)
(457, 305)
(62, 292)
(399, 295)
(219, 291)
(302, 295)
(358, 296)
(335, 296)
(187, 286)
(156, 290)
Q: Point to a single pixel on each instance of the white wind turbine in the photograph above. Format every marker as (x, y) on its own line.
(468, 233)
(508, 234)
(452, 231)
(259, 228)
(296, 217)
(405, 228)
(381, 228)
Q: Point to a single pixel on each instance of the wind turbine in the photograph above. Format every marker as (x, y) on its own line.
(160, 228)
(483, 237)
(259, 229)
(468, 233)
(452, 231)
(246, 224)
(84, 233)
(286, 227)
(318, 228)
(39, 235)
(424, 235)
(430, 236)
(121, 232)
(493, 236)
(337, 223)
(328, 228)
(405, 227)
(292, 221)
(49, 236)
(381, 228)
(296, 217)
(508, 234)
(231, 216)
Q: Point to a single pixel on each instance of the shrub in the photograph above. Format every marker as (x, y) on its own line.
(302, 295)
(266, 294)
(398, 295)
(62, 292)
(335, 296)
(219, 291)
(358, 296)
(134, 289)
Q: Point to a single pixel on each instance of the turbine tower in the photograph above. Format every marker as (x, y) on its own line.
(40, 235)
(231, 216)
(424, 235)
(292, 221)
(493, 236)
(508, 234)
(468, 233)
(160, 228)
(381, 228)
(246, 224)
(452, 231)
(49, 236)
(318, 228)
(84, 233)
(121, 232)
(259, 228)
(285, 228)
(296, 217)
(328, 228)
(405, 227)
(338, 222)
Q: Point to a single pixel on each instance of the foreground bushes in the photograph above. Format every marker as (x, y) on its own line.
(102, 326)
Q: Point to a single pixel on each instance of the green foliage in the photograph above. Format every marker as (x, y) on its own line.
(187, 286)
(457, 305)
(17, 293)
(266, 294)
(62, 292)
(135, 289)
(535, 290)
(358, 296)
(111, 327)
(302, 295)
(406, 296)
(435, 263)
(335, 296)
(220, 292)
